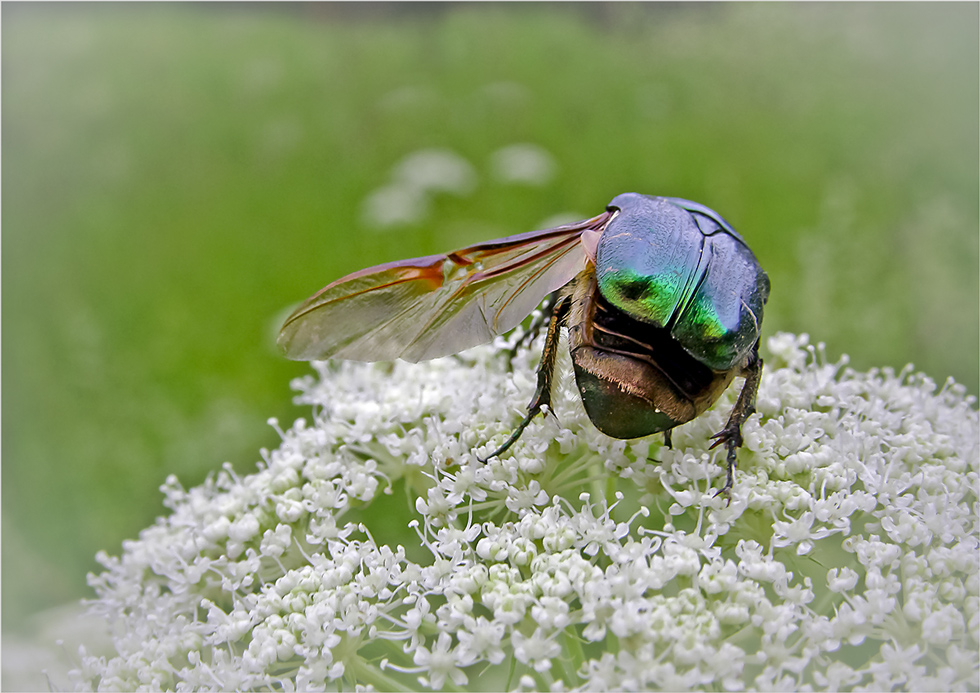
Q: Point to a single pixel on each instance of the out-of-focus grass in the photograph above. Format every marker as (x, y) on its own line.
(175, 176)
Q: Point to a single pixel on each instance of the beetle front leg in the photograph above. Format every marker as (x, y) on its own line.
(731, 434)
(546, 371)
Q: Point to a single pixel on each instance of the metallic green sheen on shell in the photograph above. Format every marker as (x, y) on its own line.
(674, 263)
(653, 297)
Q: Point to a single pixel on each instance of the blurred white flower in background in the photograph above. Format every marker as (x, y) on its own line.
(436, 171)
(409, 99)
(506, 93)
(524, 164)
(414, 180)
(847, 558)
(394, 205)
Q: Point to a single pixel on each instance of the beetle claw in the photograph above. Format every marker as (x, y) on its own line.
(730, 436)
(726, 490)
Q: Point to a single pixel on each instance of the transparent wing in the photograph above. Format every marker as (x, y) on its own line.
(436, 305)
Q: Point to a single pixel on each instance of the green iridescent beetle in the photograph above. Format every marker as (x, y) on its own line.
(662, 299)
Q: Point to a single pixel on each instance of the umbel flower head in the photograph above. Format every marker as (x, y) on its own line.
(374, 549)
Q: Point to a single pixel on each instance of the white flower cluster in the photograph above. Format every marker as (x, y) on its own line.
(373, 549)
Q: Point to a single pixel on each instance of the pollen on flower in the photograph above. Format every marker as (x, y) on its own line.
(373, 550)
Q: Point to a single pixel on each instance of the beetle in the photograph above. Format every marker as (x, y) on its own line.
(662, 300)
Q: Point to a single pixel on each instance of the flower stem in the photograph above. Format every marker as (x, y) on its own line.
(366, 673)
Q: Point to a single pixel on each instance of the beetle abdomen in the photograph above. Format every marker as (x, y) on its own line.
(635, 378)
(614, 411)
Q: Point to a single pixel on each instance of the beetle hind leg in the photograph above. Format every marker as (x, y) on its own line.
(731, 435)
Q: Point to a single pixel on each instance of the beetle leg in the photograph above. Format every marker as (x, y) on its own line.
(546, 371)
(667, 438)
(543, 315)
(731, 434)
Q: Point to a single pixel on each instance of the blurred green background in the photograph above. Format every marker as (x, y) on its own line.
(176, 176)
